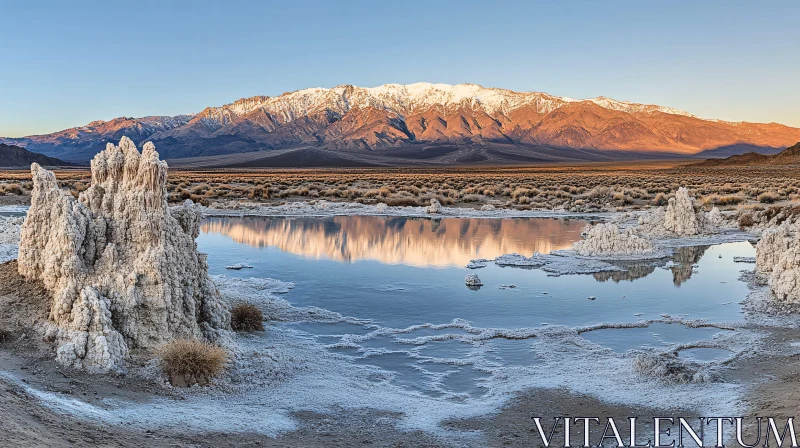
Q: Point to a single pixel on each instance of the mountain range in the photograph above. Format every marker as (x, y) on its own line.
(418, 123)
(13, 157)
(789, 156)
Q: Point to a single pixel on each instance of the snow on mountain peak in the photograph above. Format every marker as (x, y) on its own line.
(406, 99)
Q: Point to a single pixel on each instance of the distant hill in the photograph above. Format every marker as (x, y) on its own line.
(789, 156)
(419, 123)
(14, 156)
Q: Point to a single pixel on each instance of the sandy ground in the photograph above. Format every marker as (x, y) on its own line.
(776, 377)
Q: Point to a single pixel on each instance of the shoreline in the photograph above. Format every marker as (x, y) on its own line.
(509, 410)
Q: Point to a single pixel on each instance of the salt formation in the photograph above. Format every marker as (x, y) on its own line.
(9, 237)
(487, 208)
(435, 207)
(123, 269)
(778, 261)
(473, 280)
(10, 229)
(778, 257)
(715, 218)
(670, 369)
(606, 239)
(771, 247)
(681, 217)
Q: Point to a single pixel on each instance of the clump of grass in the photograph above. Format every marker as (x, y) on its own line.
(728, 199)
(399, 201)
(768, 197)
(13, 189)
(191, 361)
(660, 199)
(246, 317)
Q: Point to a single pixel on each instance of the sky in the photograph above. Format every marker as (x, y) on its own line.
(65, 64)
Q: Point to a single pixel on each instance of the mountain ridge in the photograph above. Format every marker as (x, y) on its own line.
(15, 156)
(380, 119)
(789, 156)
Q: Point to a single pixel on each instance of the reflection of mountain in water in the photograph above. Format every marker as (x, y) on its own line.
(393, 240)
(684, 258)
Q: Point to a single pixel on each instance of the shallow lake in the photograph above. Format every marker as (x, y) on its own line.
(404, 272)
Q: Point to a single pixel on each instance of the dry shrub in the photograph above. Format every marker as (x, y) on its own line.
(768, 197)
(472, 198)
(191, 361)
(246, 317)
(660, 199)
(519, 192)
(13, 189)
(746, 220)
(729, 199)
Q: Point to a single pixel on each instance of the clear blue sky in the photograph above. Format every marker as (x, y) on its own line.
(67, 63)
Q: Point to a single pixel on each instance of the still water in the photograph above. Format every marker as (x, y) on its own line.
(403, 272)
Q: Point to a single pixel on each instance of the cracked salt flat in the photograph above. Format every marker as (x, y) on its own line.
(424, 328)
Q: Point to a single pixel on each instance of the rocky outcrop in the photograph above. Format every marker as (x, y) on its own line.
(716, 219)
(435, 207)
(681, 217)
(778, 261)
(123, 269)
(606, 239)
(771, 247)
(473, 280)
(784, 281)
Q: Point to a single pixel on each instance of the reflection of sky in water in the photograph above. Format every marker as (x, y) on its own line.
(705, 354)
(397, 295)
(657, 335)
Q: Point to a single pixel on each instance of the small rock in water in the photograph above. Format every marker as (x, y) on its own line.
(473, 280)
(238, 266)
(508, 286)
(720, 255)
(545, 293)
(592, 297)
(477, 264)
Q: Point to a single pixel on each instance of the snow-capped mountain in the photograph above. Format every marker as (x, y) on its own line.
(394, 116)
